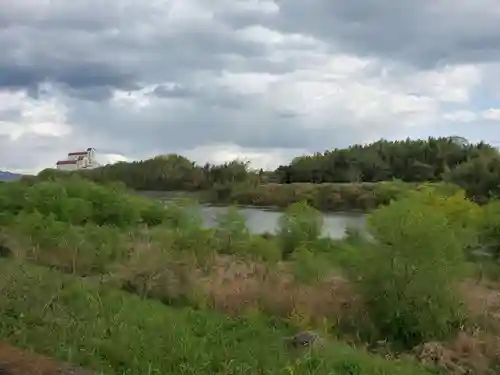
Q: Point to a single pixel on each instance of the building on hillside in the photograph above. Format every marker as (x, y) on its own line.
(78, 160)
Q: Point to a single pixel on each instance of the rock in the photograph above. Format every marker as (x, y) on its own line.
(305, 339)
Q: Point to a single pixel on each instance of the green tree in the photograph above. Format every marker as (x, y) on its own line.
(407, 275)
(479, 176)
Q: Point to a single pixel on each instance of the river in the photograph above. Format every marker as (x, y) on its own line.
(261, 220)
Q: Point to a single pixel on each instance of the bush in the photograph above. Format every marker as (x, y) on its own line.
(231, 232)
(462, 214)
(12, 198)
(407, 276)
(83, 250)
(309, 267)
(490, 229)
(78, 201)
(300, 225)
(183, 214)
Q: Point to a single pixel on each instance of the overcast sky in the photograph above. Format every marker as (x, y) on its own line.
(254, 79)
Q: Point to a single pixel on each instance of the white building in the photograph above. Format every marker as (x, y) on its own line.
(78, 160)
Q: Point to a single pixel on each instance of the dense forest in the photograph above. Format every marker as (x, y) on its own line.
(474, 167)
(407, 160)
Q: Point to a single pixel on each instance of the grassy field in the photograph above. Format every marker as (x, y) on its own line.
(118, 333)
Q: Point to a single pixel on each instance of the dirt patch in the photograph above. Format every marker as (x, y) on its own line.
(14, 361)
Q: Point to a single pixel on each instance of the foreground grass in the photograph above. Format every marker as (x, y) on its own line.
(118, 333)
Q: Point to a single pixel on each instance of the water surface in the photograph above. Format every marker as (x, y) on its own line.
(261, 220)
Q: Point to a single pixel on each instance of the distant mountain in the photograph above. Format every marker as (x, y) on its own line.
(8, 176)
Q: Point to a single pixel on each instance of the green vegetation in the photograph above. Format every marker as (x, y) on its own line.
(118, 333)
(356, 178)
(100, 276)
(101, 321)
(417, 250)
(364, 196)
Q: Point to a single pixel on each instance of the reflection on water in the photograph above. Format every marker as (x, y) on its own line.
(261, 220)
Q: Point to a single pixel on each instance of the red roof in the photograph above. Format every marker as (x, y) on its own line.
(66, 162)
(77, 153)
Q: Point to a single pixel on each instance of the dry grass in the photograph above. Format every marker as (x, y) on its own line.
(483, 300)
(19, 362)
(477, 349)
(236, 286)
(469, 353)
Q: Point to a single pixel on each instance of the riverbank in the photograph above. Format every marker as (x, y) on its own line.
(174, 297)
(473, 167)
(360, 197)
(327, 197)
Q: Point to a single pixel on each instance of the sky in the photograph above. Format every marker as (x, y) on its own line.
(258, 80)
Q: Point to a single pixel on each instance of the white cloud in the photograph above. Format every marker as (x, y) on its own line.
(110, 158)
(492, 114)
(132, 101)
(451, 84)
(246, 6)
(247, 83)
(42, 117)
(461, 116)
(262, 158)
(275, 39)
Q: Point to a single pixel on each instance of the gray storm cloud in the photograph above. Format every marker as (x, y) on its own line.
(178, 57)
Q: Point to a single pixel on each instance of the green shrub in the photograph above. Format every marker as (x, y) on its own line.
(152, 213)
(231, 232)
(12, 197)
(309, 266)
(490, 229)
(462, 214)
(183, 214)
(387, 191)
(83, 250)
(78, 201)
(300, 225)
(407, 276)
(263, 249)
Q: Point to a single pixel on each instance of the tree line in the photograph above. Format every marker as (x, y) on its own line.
(474, 167)
(165, 172)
